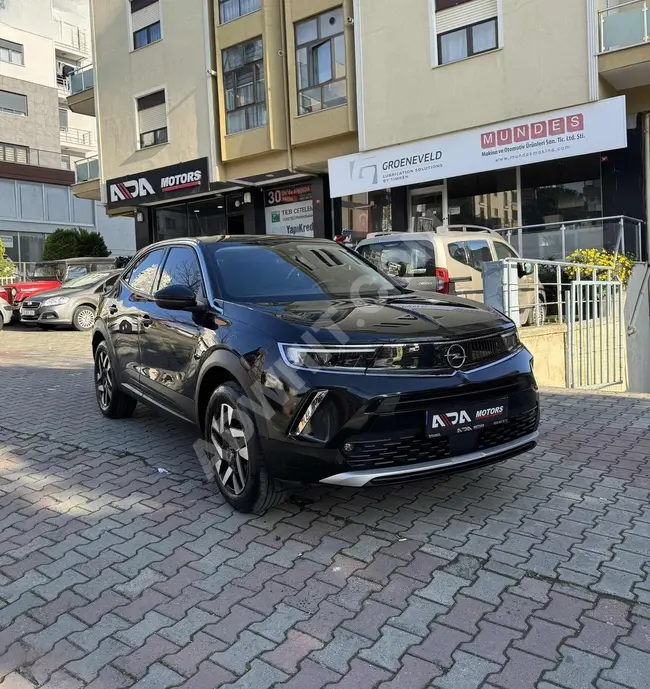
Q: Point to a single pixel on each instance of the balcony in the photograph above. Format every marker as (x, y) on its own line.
(82, 91)
(34, 165)
(87, 185)
(63, 86)
(71, 41)
(624, 59)
(77, 139)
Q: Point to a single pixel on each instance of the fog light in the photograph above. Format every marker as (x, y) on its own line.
(348, 447)
(316, 401)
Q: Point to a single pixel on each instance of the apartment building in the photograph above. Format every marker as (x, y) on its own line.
(505, 113)
(41, 43)
(220, 115)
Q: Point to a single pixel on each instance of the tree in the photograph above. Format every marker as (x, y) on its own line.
(73, 243)
(6, 264)
(60, 244)
(92, 244)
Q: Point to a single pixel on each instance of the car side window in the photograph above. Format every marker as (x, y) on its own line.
(145, 271)
(458, 253)
(504, 251)
(479, 252)
(412, 258)
(108, 284)
(182, 268)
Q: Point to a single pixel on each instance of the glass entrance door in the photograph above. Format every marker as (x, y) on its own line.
(426, 208)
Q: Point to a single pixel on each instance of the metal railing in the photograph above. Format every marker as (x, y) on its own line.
(72, 36)
(80, 137)
(82, 79)
(86, 169)
(39, 158)
(556, 241)
(63, 85)
(624, 25)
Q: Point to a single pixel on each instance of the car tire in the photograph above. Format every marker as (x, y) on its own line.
(240, 474)
(83, 318)
(113, 403)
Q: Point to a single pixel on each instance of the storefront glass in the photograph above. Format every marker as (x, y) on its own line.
(564, 192)
(207, 218)
(171, 222)
(426, 207)
(381, 219)
(488, 199)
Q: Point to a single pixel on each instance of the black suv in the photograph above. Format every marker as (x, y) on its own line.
(300, 362)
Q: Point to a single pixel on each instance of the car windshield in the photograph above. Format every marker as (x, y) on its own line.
(85, 280)
(45, 271)
(295, 271)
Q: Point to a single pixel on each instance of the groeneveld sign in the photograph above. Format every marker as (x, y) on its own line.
(589, 128)
(290, 211)
(164, 183)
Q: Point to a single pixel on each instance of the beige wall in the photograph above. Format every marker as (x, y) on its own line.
(122, 74)
(405, 99)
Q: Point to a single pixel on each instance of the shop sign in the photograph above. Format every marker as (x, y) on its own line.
(584, 129)
(164, 183)
(290, 211)
(7, 241)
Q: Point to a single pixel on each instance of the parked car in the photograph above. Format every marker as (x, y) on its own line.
(449, 260)
(5, 312)
(300, 362)
(74, 303)
(45, 276)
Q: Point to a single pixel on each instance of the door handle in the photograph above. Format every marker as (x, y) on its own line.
(147, 321)
(112, 309)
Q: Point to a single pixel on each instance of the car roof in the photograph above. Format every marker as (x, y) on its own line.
(450, 235)
(245, 240)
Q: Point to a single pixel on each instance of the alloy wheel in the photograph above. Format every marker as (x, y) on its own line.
(229, 440)
(104, 379)
(86, 319)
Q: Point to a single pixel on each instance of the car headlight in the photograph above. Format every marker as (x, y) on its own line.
(357, 358)
(14, 291)
(511, 340)
(56, 301)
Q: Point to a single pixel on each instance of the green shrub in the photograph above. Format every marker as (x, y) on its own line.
(73, 243)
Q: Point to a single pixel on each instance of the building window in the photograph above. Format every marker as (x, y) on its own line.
(245, 86)
(63, 118)
(467, 41)
(66, 163)
(233, 9)
(10, 153)
(13, 103)
(152, 119)
(12, 52)
(320, 61)
(145, 22)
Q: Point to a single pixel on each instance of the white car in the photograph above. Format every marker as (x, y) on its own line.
(5, 312)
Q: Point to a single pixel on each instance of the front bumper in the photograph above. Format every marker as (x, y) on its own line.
(423, 470)
(49, 315)
(381, 436)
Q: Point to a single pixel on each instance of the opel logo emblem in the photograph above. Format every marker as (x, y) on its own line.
(456, 357)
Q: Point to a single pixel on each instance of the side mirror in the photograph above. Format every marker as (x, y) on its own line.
(401, 282)
(175, 298)
(526, 269)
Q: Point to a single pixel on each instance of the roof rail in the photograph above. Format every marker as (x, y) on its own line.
(467, 228)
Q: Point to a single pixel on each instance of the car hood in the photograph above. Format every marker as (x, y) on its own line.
(407, 317)
(59, 293)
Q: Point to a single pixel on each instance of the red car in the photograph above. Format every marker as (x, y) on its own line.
(50, 275)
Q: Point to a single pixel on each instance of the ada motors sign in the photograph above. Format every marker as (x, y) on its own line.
(158, 185)
(290, 211)
(589, 128)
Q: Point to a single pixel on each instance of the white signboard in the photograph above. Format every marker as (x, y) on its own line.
(290, 212)
(7, 241)
(589, 128)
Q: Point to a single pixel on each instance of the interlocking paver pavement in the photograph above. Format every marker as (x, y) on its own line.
(533, 573)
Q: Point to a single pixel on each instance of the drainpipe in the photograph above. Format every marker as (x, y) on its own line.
(285, 76)
(646, 181)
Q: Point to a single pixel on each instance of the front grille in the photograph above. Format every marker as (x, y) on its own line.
(414, 449)
(31, 304)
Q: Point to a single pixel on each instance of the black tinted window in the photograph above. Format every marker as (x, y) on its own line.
(182, 268)
(405, 259)
(143, 274)
(295, 271)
